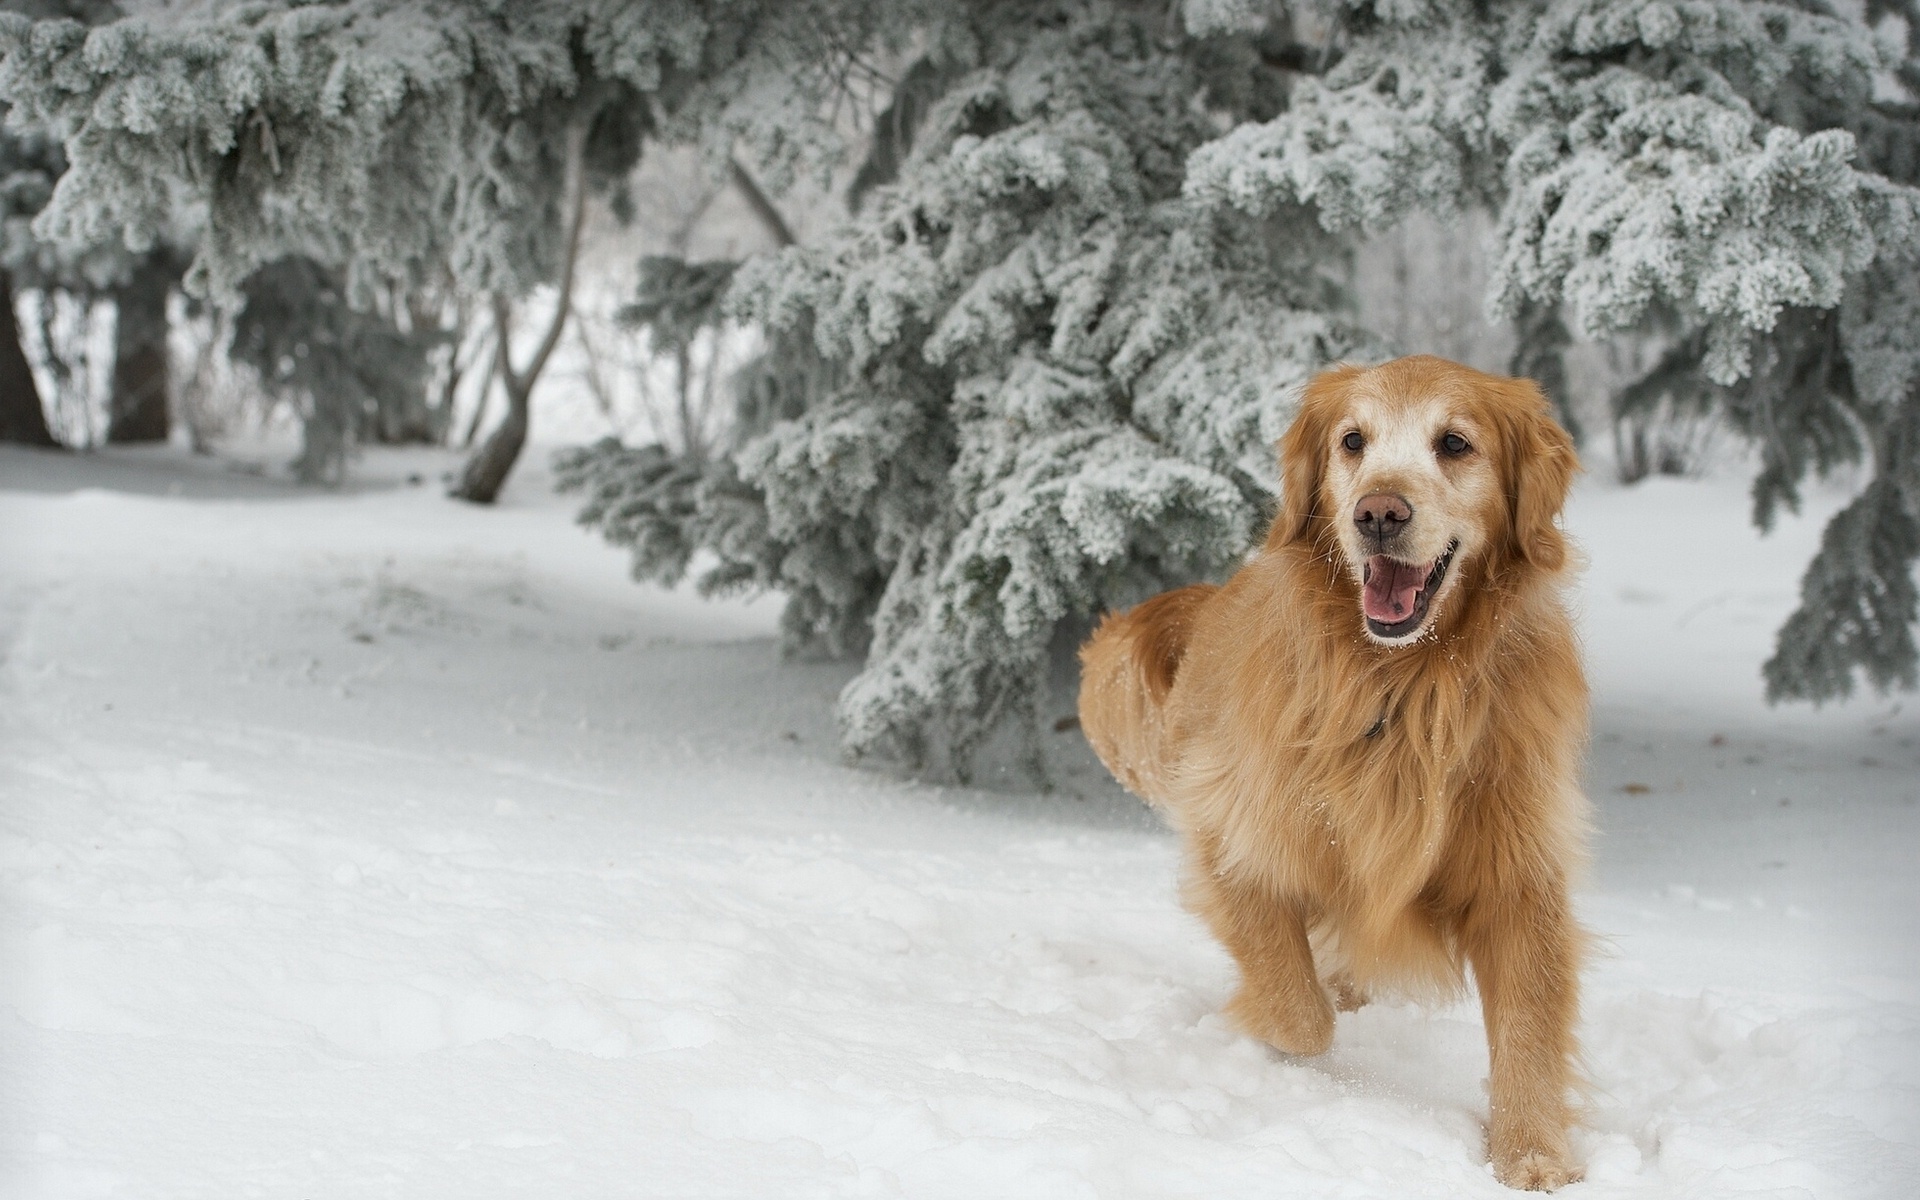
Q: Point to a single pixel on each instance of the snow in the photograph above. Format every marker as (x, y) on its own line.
(367, 844)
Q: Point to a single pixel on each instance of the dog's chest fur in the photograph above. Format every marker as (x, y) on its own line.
(1335, 774)
(1362, 818)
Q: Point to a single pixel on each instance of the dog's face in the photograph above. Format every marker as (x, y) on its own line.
(1416, 470)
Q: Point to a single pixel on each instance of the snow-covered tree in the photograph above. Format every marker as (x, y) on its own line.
(1858, 601)
(1027, 381)
(405, 141)
(1039, 370)
(352, 374)
(138, 284)
(1728, 172)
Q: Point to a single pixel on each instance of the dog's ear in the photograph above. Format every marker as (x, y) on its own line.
(1303, 452)
(1540, 466)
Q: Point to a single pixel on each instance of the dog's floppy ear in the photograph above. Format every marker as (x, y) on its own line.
(1540, 466)
(1303, 452)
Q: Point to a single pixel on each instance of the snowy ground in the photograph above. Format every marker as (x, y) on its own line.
(364, 844)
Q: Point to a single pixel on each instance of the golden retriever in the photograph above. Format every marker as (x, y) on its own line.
(1370, 736)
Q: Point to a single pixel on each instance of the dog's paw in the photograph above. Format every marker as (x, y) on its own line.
(1348, 996)
(1308, 1031)
(1536, 1170)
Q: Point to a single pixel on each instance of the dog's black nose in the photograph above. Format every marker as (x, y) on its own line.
(1381, 516)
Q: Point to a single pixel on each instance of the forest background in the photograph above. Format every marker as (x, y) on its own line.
(956, 325)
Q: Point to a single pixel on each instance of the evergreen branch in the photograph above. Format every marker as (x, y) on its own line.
(1857, 605)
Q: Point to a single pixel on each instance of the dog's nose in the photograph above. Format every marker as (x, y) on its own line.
(1381, 516)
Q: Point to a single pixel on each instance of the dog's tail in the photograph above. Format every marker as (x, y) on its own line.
(1127, 669)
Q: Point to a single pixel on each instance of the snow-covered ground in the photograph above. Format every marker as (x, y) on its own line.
(364, 844)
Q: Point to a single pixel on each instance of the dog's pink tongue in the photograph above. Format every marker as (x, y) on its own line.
(1390, 589)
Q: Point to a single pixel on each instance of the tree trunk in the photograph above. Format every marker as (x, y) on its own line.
(486, 472)
(683, 378)
(450, 387)
(479, 360)
(22, 419)
(479, 413)
(138, 409)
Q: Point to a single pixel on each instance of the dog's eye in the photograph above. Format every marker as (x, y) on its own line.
(1454, 444)
(1353, 442)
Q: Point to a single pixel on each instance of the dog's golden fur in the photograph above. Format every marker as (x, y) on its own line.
(1365, 807)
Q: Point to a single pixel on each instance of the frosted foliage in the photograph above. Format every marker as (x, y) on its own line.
(1858, 602)
(1724, 173)
(863, 455)
(1048, 356)
(1628, 189)
(30, 165)
(352, 376)
(1057, 383)
(1226, 395)
(1386, 130)
(1878, 325)
(1097, 245)
(397, 138)
(1638, 166)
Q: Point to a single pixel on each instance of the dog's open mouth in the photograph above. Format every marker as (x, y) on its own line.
(1394, 595)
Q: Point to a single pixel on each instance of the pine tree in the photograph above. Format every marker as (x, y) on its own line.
(30, 165)
(1026, 382)
(403, 142)
(346, 371)
(138, 285)
(1039, 369)
(1857, 603)
(1719, 172)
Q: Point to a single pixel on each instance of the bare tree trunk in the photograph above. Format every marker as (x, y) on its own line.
(596, 376)
(137, 411)
(486, 472)
(479, 412)
(683, 382)
(22, 418)
(450, 386)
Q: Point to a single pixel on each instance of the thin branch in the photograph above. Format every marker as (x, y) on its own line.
(479, 412)
(1301, 58)
(576, 203)
(502, 335)
(595, 375)
(269, 144)
(762, 207)
(851, 60)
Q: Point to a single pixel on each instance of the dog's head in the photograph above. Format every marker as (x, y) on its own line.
(1414, 471)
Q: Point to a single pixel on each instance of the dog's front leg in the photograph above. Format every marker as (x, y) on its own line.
(1280, 1000)
(1525, 953)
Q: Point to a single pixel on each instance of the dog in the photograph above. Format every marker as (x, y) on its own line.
(1370, 736)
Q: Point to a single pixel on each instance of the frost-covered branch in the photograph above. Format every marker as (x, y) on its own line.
(1729, 175)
